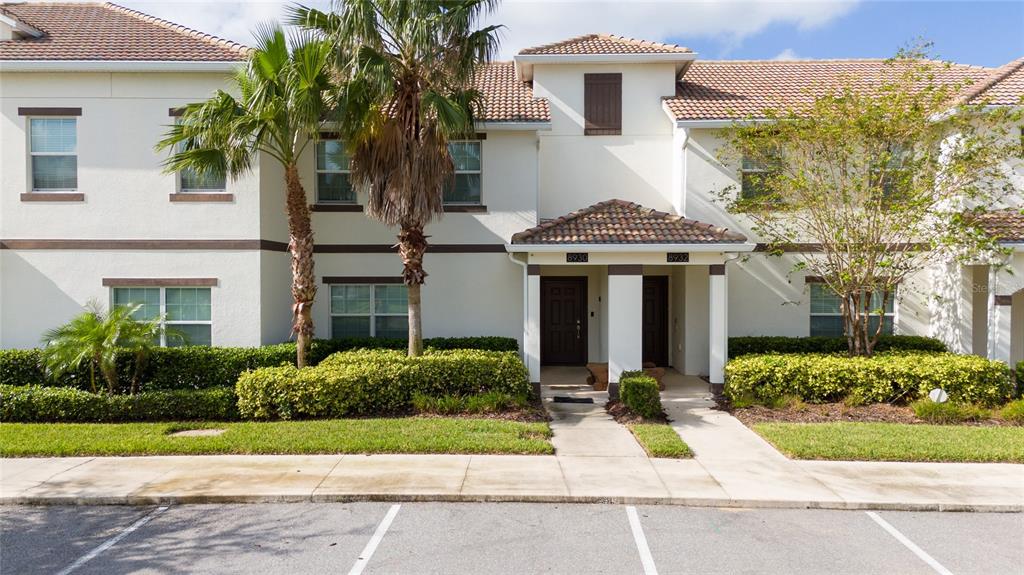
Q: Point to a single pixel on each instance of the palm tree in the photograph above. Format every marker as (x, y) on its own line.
(406, 69)
(284, 94)
(94, 336)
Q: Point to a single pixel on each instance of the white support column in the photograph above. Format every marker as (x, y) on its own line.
(531, 339)
(625, 322)
(718, 332)
(999, 325)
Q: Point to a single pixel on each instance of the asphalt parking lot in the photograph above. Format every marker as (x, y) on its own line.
(502, 538)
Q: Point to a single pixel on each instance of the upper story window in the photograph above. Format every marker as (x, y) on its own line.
(466, 187)
(602, 104)
(332, 170)
(755, 175)
(53, 146)
(186, 310)
(827, 312)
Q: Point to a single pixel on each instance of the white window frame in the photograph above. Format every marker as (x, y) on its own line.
(163, 309)
(479, 172)
(373, 307)
(889, 317)
(183, 190)
(317, 171)
(31, 172)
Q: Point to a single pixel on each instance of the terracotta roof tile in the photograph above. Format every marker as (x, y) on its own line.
(714, 90)
(1005, 225)
(1003, 87)
(507, 98)
(605, 44)
(81, 31)
(622, 222)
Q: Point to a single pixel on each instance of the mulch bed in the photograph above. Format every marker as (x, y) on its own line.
(834, 412)
(622, 414)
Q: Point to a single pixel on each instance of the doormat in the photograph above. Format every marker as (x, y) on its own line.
(567, 399)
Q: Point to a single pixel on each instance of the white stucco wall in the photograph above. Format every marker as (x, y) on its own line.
(42, 289)
(576, 170)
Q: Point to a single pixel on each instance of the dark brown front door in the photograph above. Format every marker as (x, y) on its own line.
(655, 320)
(563, 321)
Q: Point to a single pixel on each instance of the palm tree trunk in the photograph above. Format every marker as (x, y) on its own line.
(412, 244)
(300, 246)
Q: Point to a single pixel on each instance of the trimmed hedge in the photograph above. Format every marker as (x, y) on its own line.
(640, 393)
(200, 367)
(893, 377)
(36, 404)
(1020, 378)
(376, 382)
(740, 346)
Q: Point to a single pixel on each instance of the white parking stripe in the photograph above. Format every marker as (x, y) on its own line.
(909, 544)
(112, 541)
(374, 541)
(641, 541)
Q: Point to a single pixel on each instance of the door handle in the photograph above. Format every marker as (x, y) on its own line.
(577, 329)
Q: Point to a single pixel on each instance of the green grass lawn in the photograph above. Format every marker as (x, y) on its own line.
(399, 435)
(895, 442)
(660, 440)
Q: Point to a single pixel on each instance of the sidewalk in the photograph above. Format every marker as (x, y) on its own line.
(597, 461)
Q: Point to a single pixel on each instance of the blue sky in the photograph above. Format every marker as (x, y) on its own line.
(986, 33)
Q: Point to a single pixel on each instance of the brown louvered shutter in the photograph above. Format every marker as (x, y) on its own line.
(602, 104)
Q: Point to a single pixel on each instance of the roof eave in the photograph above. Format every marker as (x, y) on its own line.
(737, 246)
(222, 66)
(525, 62)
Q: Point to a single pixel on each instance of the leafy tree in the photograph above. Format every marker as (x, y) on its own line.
(95, 336)
(873, 182)
(284, 94)
(406, 68)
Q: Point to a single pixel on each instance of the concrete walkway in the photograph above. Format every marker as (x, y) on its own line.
(597, 460)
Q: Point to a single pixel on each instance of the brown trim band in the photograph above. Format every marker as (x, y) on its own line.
(465, 209)
(716, 269)
(132, 244)
(336, 207)
(626, 270)
(817, 247)
(268, 245)
(362, 279)
(1004, 300)
(176, 112)
(814, 280)
(49, 111)
(532, 269)
(159, 282)
(203, 197)
(53, 197)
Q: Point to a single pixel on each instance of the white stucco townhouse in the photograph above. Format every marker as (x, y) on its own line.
(581, 221)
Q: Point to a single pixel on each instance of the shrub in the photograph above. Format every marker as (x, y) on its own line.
(894, 377)
(365, 382)
(200, 367)
(1020, 378)
(640, 394)
(948, 412)
(489, 402)
(740, 346)
(36, 404)
(1013, 412)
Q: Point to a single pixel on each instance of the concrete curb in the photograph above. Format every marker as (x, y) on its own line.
(457, 498)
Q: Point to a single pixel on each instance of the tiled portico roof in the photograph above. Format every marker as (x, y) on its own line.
(723, 90)
(507, 98)
(1005, 225)
(1004, 87)
(604, 44)
(622, 222)
(108, 32)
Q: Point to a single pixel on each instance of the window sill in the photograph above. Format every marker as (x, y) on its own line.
(336, 207)
(53, 197)
(466, 209)
(201, 197)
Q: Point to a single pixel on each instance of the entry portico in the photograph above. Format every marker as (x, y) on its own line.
(620, 283)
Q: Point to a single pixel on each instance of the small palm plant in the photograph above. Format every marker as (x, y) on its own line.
(95, 336)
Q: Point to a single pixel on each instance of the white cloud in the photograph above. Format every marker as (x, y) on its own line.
(534, 22)
(787, 54)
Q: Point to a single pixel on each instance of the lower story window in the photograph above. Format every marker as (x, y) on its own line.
(185, 310)
(827, 312)
(361, 310)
